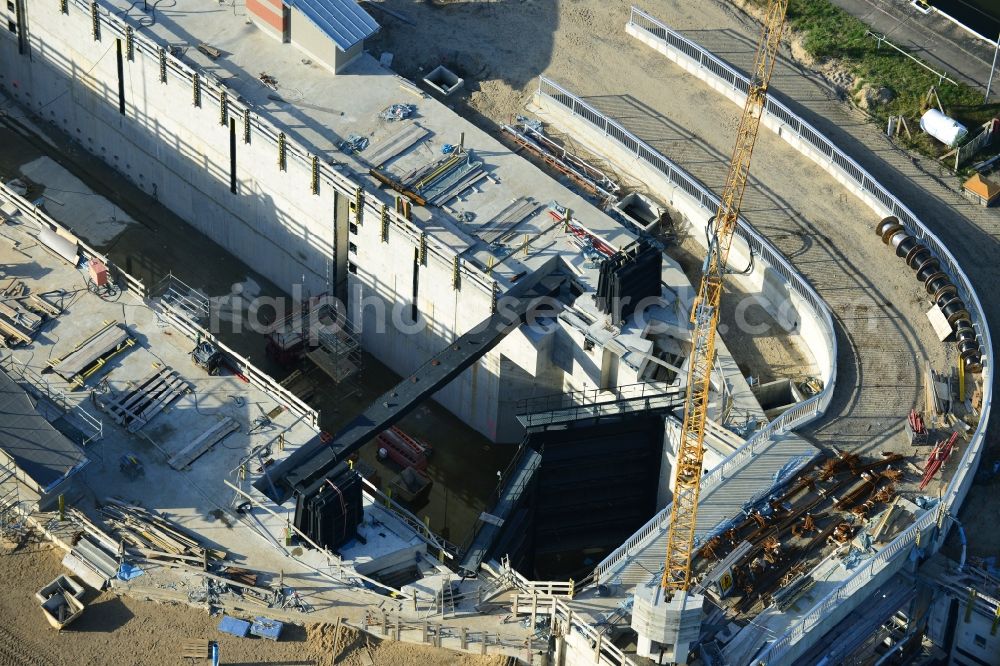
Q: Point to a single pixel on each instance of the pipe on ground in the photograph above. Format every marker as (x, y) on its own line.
(938, 285)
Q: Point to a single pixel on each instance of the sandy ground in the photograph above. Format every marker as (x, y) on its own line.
(119, 630)
(500, 47)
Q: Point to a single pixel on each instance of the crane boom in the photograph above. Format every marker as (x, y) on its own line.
(705, 313)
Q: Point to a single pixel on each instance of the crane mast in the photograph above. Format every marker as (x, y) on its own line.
(705, 312)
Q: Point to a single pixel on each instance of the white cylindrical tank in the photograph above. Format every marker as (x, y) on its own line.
(946, 130)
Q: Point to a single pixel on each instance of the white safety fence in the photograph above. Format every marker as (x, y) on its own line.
(712, 69)
(182, 321)
(29, 212)
(767, 254)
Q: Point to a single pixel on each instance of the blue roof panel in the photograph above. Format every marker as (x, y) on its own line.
(343, 20)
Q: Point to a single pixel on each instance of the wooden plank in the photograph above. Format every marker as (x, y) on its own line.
(90, 351)
(12, 330)
(43, 305)
(118, 406)
(196, 649)
(203, 443)
(395, 144)
(141, 391)
(171, 392)
(21, 316)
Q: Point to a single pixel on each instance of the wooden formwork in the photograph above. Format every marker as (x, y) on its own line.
(136, 406)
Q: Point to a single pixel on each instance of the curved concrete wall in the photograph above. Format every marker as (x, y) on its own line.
(810, 142)
(774, 276)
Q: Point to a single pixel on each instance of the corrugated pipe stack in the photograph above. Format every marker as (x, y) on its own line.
(938, 285)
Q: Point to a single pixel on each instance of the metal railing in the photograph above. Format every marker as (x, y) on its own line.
(181, 320)
(549, 588)
(708, 66)
(444, 550)
(561, 616)
(766, 253)
(515, 490)
(40, 219)
(597, 403)
(41, 387)
(556, 401)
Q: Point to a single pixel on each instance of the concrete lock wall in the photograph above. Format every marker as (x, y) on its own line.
(382, 301)
(811, 143)
(178, 151)
(805, 326)
(173, 149)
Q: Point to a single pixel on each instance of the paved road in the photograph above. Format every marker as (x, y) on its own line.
(884, 338)
(936, 40)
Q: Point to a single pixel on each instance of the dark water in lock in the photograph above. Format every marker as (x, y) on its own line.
(983, 16)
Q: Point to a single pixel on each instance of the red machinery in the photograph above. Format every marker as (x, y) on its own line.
(99, 279)
(395, 445)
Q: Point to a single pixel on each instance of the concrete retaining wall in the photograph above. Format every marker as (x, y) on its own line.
(172, 149)
(807, 140)
(809, 330)
(173, 142)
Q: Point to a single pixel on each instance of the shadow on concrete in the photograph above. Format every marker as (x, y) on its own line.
(955, 223)
(853, 417)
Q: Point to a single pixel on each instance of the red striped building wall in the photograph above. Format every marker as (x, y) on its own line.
(270, 13)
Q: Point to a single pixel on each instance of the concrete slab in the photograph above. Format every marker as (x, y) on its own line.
(71, 202)
(198, 498)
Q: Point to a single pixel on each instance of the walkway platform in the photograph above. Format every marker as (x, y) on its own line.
(720, 503)
(643, 397)
(489, 530)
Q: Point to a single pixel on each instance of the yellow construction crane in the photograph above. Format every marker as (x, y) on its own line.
(705, 313)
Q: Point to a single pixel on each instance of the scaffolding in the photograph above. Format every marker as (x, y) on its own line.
(11, 518)
(338, 354)
(321, 333)
(176, 294)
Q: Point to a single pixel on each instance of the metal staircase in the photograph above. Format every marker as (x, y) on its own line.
(11, 520)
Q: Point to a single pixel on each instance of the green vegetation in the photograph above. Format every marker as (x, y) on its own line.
(829, 34)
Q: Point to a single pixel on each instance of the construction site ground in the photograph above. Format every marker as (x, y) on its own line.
(141, 235)
(122, 630)
(884, 337)
(826, 233)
